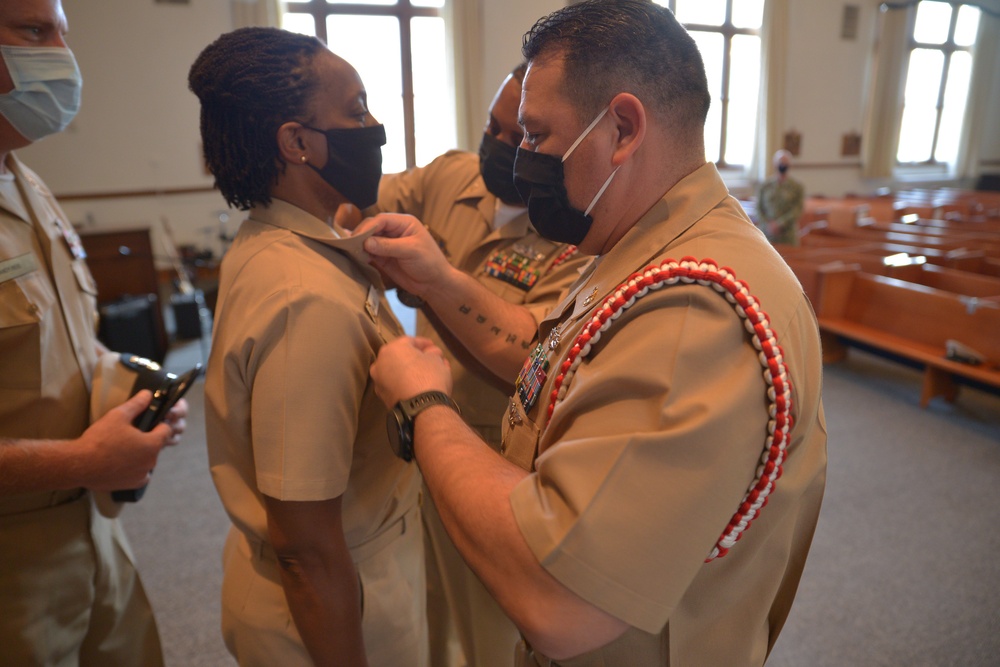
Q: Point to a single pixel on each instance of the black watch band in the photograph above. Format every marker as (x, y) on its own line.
(399, 422)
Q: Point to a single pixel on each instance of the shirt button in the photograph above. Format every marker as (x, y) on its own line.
(33, 309)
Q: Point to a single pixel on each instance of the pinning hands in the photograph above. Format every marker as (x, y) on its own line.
(407, 367)
(405, 252)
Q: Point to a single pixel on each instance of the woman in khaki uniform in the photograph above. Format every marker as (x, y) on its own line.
(324, 561)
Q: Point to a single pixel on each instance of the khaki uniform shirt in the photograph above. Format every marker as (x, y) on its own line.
(290, 409)
(513, 262)
(658, 436)
(48, 313)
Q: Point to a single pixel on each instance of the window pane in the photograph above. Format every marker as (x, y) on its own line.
(379, 64)
(967, 25)
(433, 104)
(748, 13)
(705, 12)
(427, 3)
(288, 2)
(744, 78)
(301, 23)
(956, 94)
(923, 82)
(933, 21)
(710, 44)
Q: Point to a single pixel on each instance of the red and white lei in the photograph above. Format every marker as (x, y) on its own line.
(779, 390)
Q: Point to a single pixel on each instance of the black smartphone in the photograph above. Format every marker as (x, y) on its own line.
(165, 397)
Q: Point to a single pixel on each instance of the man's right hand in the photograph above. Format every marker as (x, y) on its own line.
(114, 454)
(408, 366)
(406, 253)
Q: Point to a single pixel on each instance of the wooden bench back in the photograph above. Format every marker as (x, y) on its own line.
(945, 279)
(915, 312)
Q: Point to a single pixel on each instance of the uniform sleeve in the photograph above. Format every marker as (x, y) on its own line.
(655, 444)
(307, 382)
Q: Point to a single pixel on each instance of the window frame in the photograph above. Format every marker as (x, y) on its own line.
(728, 31)
(403, 11)
(947, 49)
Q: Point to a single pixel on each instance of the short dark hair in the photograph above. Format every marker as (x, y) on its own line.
(519, 71)
(249, 82)
(634, 46)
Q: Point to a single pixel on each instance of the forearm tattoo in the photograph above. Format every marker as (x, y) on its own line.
(496, 330)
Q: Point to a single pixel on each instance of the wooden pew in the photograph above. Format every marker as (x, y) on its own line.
(953, 224)
(808, 263)
(945, 229)
(976, 261)
(910, 322)
(811, 270)
(964, 283)
(955, 241)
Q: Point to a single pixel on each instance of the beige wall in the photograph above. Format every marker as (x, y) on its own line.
(138, 128)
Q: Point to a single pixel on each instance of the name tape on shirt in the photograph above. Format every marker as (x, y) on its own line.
(17, 267)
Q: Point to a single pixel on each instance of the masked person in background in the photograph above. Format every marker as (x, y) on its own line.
(324, 560)
(474, 212)
(672, 404)
(779, 203)
(69, 593)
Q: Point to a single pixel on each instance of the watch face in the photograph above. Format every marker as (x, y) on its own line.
(400, 432)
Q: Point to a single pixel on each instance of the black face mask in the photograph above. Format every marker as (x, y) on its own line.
(540, 181)
(354, 162)
(496, 165)
(782, 168)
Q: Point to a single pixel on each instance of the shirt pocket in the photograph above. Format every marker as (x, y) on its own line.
(84, 278)
(25, 305)
(520, 437)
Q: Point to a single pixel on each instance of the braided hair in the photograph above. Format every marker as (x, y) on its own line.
(251, 81)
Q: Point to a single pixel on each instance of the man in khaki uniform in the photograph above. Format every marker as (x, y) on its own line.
(651, 425)
(324, 561)
(471, 208)
(70, 592)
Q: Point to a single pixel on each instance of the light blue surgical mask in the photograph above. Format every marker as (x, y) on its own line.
(46, 94)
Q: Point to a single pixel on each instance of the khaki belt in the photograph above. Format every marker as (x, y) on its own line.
(29, 502)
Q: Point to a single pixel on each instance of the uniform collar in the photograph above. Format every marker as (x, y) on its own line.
(31, 187)
(476, 194)
(284, 215)
(677, 211)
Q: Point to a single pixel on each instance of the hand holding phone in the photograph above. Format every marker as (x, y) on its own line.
(165, 397)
